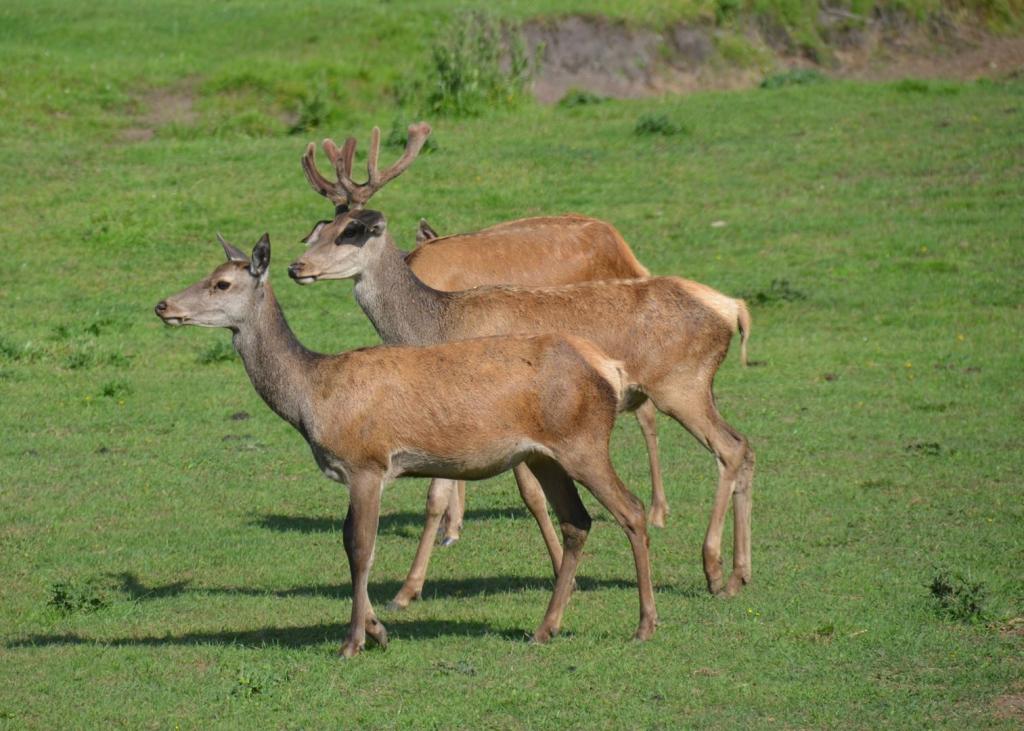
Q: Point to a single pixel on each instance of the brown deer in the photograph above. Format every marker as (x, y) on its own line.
(376, 414)
(538, 251)
(672, 334)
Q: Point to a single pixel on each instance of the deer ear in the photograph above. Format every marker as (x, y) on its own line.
(260, 262)
(424, 232)
(232, 253)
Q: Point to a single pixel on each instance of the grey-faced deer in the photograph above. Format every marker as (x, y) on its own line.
(538, 251)
(672, 334)
(463, 410)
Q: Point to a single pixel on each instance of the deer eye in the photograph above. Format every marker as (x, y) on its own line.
(351, 231)
(222, 285)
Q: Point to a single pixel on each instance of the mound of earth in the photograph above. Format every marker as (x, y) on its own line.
(611, 58)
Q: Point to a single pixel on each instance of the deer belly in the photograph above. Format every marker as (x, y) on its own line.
(464, 464)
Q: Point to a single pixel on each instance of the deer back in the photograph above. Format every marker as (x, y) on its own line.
(536, 252)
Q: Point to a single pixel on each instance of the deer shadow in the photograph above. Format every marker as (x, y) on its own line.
(129, 585)
(135, 590)
(389, 523)
(294, 637)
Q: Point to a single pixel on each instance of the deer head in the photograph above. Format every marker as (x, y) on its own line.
(227, 296)
(349, 197)
(357, 238)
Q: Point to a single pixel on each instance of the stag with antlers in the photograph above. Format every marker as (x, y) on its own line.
(538, 251)
(671, 333)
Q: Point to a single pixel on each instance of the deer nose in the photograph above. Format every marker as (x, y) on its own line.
(161, 307)
(295, 270)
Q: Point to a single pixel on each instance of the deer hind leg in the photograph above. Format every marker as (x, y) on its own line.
(438, 498)
(451, 523)
(532, 493)
(645, 416)
(575, 524)
(693, 406)
(360, 536)
(595, 472)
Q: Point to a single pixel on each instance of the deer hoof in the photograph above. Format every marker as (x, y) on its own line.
(449, 541)
(656, 516)
(375, 631)
(350, 649)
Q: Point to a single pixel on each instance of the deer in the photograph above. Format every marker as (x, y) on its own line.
(536, 251)
(375, 414)
(672, 334)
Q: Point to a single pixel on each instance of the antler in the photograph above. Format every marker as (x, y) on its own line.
(346, 191)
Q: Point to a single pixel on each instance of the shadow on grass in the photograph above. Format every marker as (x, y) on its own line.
(401, 522)
(315, 634)
(380, 591)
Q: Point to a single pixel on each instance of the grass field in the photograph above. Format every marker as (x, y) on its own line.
(171, 557)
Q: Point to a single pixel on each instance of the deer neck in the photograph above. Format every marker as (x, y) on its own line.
(401, 307)
(277, 363)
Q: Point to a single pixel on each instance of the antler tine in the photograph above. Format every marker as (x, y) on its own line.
(342, 160)
(348, 153)
(418, 134)
(371, 160)
(320, 184)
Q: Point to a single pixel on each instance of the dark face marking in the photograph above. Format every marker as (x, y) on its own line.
(353, 235)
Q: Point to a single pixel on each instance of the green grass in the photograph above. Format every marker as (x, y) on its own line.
(170, 555)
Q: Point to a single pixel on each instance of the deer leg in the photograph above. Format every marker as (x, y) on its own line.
(532, 494)
(742, 504)
(694, 408)
(451, 523)
(575, 524)
(597, 475)
(645, 416)
(360, 535)
(438, 498)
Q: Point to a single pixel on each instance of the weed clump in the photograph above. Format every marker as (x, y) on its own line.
(9, 351)
(922, 86)
(779, 291)
(71, 596)
(793, 77)
(484, 65)
(957, 598)
(580, 98)
(115, 389)
(255, 681)
(218, 352)
(398, 137)
(658, 124)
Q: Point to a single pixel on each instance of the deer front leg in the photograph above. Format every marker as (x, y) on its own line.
(360, 535)
(438, 497)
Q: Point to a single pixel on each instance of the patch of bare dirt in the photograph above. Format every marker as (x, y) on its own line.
(161, 107)
(1009, 707)
(614, 59)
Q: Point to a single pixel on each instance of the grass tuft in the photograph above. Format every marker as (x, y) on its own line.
(219, 351)
(658, 124)
(80, 595)
(580, 98)
(793, 77)
(956, 597)
(779, 291)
